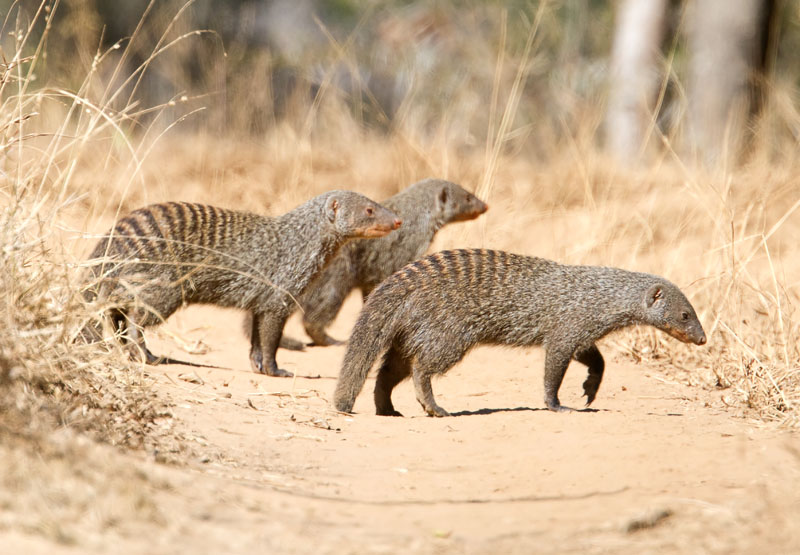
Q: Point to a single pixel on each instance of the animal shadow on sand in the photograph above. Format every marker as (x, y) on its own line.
(485, 411)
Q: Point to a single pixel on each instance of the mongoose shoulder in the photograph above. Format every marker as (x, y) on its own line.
(162, 256)
(425, 207)
(428, 315)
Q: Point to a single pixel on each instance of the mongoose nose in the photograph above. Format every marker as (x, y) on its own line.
(397, 223)
(702, 340)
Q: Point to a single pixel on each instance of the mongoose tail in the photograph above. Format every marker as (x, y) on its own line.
(429, 314)
(362, 351)
(425, 207)
(161, 257)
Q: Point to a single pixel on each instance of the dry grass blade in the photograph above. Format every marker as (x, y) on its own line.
(501, 136)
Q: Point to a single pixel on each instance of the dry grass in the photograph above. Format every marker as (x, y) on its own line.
(74, 160)
(50, 389)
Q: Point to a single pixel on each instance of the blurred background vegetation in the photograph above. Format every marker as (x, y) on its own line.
(630, 77)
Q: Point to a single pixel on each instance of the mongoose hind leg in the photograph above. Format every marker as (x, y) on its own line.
(395, 369)
(433, 360)
(592, 358)
(264, 340)
(422, 387)
(555, 366)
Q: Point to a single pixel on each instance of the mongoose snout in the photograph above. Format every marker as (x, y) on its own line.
(380, 228)
(476, 208)
(698, 337)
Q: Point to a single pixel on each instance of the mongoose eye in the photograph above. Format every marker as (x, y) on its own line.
(684, 316)
(370, 211)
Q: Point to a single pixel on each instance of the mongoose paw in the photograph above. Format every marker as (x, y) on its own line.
(280, 373)
(436, 411)
(590, 387)
(144, 355)
(558, 407)
(257, 362)
(391, 412)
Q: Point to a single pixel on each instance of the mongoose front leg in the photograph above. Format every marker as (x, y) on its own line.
(592, 358)
(264, 340)
(394, 370)
(555, 366)
(422, 387)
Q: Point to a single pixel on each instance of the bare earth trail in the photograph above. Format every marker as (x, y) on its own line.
(274, 469)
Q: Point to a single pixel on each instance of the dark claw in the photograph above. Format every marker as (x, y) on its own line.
(590, 387)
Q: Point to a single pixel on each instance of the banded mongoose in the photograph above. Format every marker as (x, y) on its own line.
(425, 207)
(163, 256)
(428, 315)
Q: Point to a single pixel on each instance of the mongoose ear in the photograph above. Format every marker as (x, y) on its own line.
(443, 197)
(653, 295)
(331, 207)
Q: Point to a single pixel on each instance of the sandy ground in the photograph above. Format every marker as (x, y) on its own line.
(655, 465)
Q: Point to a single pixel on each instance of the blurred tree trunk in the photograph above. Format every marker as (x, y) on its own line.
(727, 44)
(635, 74)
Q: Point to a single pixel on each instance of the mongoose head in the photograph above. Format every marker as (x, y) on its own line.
(456, 204)
(355, 216)
(670, 311)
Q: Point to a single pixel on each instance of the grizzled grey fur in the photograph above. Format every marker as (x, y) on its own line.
(163, 256)
(428, 315)
(425, 207)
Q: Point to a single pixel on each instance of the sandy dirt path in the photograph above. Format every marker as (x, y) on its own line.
(655, 465)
